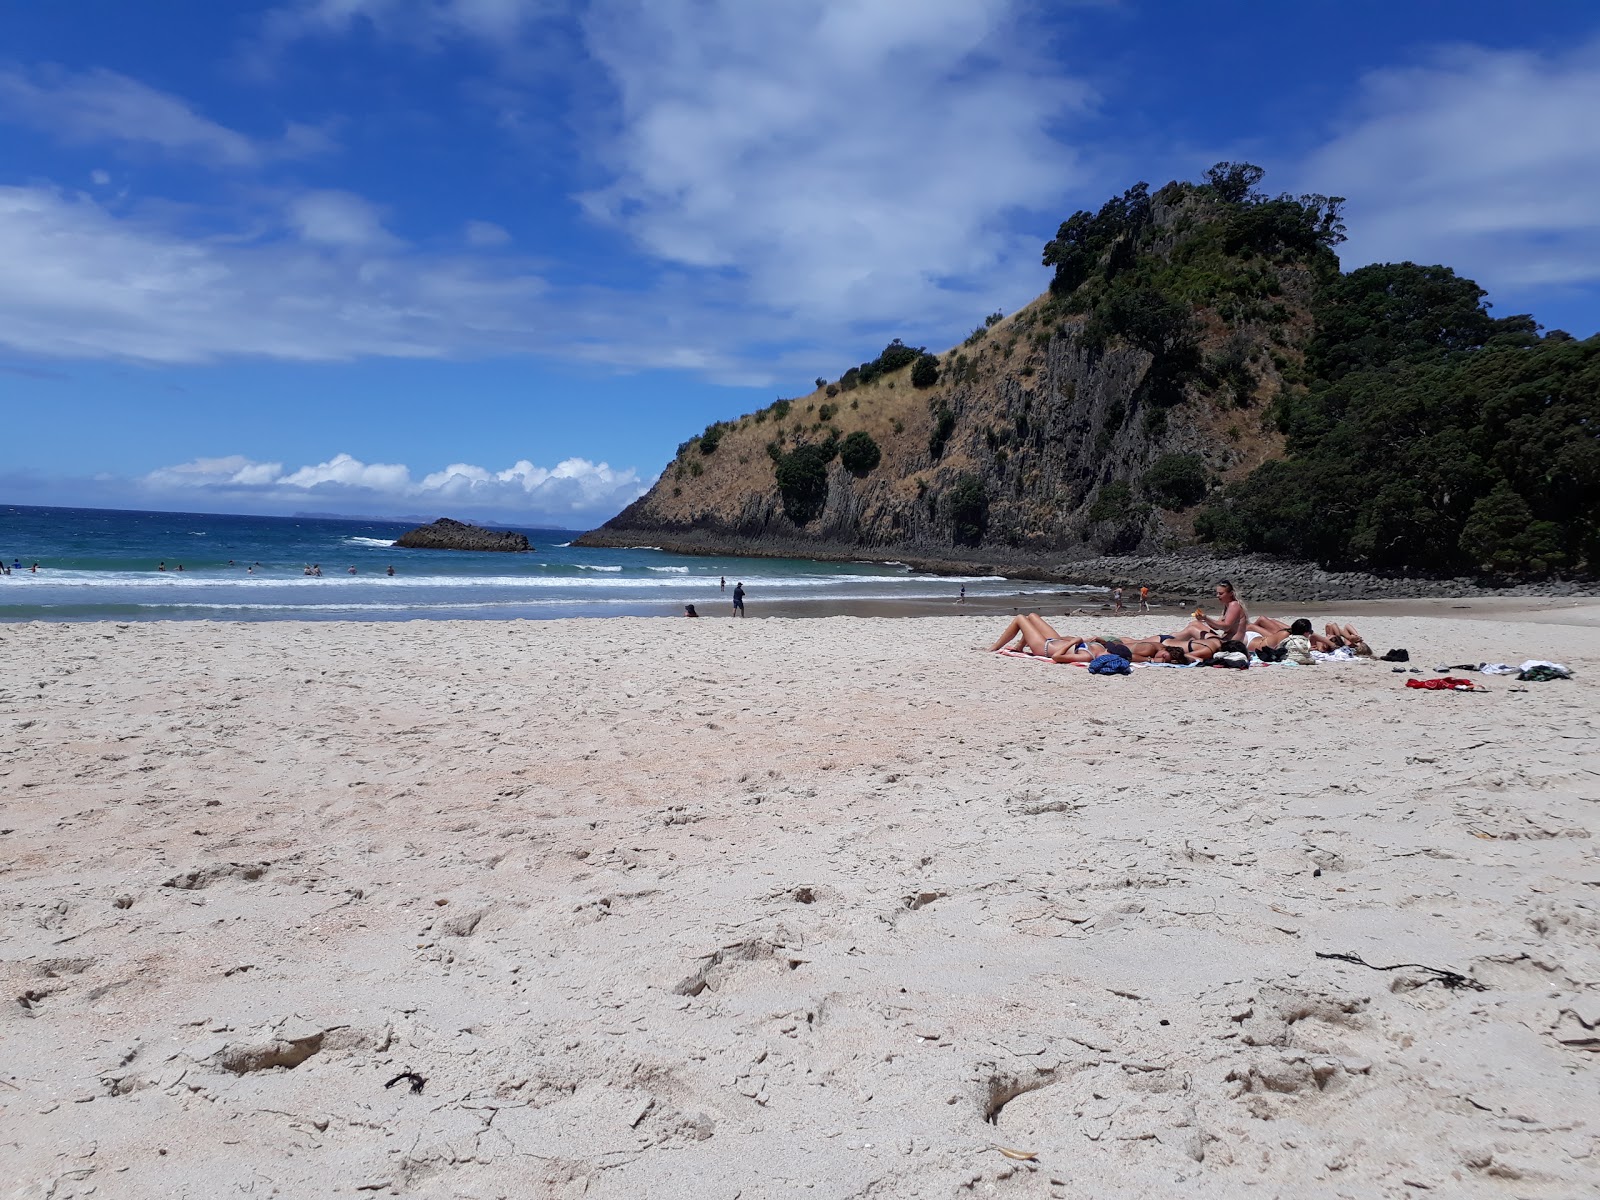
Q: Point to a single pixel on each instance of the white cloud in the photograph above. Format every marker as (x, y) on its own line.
(855, 158)
(822, 172)
(83, 280)
(497, 22)
(102, 106)
(573, 491)
(1485, 160)
(331, 218)
(485, 234)
(803, 180)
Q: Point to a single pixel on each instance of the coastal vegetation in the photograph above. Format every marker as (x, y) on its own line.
(1200, 369)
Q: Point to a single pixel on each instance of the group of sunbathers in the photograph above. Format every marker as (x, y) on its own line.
(1235, 631)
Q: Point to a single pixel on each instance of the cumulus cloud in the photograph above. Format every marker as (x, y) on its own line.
(862, 158)
(86, 280)
(574, 491)
(485, 233)
(103, 106)
(838, 170)
(332, 218)
(1485, 160)
(497, 22)
(779, 216)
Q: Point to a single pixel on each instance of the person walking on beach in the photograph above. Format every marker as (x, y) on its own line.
(1116, 600)
(738, 599)
(1144, 598)
(962, 599)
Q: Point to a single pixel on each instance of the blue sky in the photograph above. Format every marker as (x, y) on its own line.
(498, 257)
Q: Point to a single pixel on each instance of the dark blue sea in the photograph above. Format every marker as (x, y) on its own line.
(96, 564)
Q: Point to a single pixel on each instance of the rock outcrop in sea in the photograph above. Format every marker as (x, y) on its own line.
(445, 534)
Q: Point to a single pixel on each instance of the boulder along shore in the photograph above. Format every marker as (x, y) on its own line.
(1185, 572)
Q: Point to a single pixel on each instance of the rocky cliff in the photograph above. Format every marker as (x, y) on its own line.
(445, 534)
(1090, 422)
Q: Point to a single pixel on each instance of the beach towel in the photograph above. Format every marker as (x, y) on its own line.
(1109, 664)
(1443, 684)
(1342, 654)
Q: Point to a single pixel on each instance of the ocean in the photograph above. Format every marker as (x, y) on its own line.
(97, 564)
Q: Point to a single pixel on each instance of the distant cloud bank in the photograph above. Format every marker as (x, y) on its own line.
(575, 493)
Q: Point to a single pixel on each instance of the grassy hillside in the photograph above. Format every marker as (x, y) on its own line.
(1199, 368)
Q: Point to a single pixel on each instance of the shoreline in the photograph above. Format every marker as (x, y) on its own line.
(1050, 604)
(1190, 569)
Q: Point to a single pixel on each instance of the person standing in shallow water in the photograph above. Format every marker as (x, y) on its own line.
(738, 599)
(724, 585)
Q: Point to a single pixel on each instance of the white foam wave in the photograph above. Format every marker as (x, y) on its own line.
(670, 570)
(377, 543)
(591, 583)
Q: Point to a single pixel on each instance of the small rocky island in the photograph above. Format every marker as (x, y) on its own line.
(445, 534)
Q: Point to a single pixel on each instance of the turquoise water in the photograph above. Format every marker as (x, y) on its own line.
(97, 564)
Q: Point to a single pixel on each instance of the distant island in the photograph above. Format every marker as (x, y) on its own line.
(445, 534)
(1200, 378)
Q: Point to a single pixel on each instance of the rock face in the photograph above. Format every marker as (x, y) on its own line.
(445, 534)
(1036, 442)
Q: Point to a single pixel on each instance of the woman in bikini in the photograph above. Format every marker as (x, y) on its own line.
(1033, 633)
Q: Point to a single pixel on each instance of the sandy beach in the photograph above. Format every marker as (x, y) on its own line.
(840, 907)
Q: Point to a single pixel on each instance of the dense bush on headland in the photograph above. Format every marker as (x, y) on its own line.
(1189, 332)
(1429, 437)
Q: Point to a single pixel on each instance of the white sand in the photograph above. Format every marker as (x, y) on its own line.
(672, 908)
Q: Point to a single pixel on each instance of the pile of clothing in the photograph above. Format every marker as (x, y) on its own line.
(1535, 670)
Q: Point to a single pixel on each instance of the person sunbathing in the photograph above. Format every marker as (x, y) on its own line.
(1033, 634)
(1346, 635)
(1273, 632)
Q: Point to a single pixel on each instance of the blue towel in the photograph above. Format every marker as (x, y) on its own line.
(1109, 664)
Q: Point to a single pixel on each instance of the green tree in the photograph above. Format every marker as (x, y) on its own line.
(803, 482)
(1177, 481)
(859, 454)
(944, 424)
(1502, 537)
(1087, 243)
(1113, 502)
(925, 372)
(967, 506)
(1234, 182)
